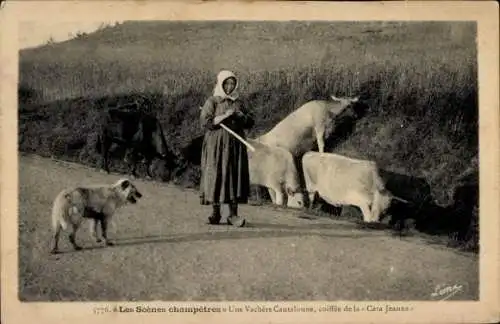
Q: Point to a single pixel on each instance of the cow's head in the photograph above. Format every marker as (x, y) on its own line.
(351, 107)
(381, 204)
(295, 198)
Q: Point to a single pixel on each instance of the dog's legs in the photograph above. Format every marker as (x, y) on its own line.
(93, 230)
(104, 229)
(55, 238)
(72, 236)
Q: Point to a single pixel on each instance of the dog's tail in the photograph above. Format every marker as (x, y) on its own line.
(61, 209)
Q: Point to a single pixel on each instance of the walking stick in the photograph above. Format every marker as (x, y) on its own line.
(230, 131)
(238, 137)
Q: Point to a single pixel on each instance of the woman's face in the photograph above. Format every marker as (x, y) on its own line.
(228, 85)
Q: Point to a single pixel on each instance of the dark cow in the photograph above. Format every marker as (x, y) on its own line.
(139, 133)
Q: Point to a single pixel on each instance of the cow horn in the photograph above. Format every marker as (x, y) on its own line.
(400, 199)
(335, 98)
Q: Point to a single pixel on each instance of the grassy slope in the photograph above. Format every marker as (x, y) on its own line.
(419, 80)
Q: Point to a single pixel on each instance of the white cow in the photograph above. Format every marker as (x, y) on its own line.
(341, 180)
(312, 122)
(274, 168)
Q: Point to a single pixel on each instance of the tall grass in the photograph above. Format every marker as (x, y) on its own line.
(420, 81)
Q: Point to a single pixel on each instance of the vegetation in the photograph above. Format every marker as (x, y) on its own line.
(419, 79)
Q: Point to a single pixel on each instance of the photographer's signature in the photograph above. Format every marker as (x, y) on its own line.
(443, 292)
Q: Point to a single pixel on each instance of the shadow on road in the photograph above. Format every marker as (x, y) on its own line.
(271, 231)
(251, 231)
(359, 226)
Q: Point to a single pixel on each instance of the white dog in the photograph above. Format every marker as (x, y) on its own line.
(97, 203)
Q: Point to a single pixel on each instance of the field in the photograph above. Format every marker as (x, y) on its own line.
(419, 79)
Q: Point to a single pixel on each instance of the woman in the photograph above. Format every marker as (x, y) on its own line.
(224, 164)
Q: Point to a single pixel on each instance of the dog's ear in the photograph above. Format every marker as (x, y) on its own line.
(125, 184)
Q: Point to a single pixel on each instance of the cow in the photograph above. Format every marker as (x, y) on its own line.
(274, 168)
(139, 133)
(312, 122)
(340, 180)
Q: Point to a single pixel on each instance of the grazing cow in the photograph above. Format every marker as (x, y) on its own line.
(312, 122)
(274, 168)
(139, 133)
(341, 180)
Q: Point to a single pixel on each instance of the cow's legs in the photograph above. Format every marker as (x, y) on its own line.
(105, 146)
(256, 193)
(133, 171)
(133, 164)
(280, 197)
(258, 196)
(375, 211)
(149, 167)
(365, 209)
(277, 196)
(312, 196)
(320, 132)
(128, 155)
(272, 194)
(381, 202)
(311, 191)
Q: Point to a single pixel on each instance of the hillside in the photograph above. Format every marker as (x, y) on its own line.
(419, 80)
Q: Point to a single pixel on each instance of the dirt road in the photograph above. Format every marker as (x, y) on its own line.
(165, 251)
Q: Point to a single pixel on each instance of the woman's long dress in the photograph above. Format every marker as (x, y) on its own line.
(224, 161)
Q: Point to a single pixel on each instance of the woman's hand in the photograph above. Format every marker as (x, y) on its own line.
(229, 112)
(226, 114)
(220, 118)
(239, 113)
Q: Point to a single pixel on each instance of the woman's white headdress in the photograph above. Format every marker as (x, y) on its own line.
(219, 91)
